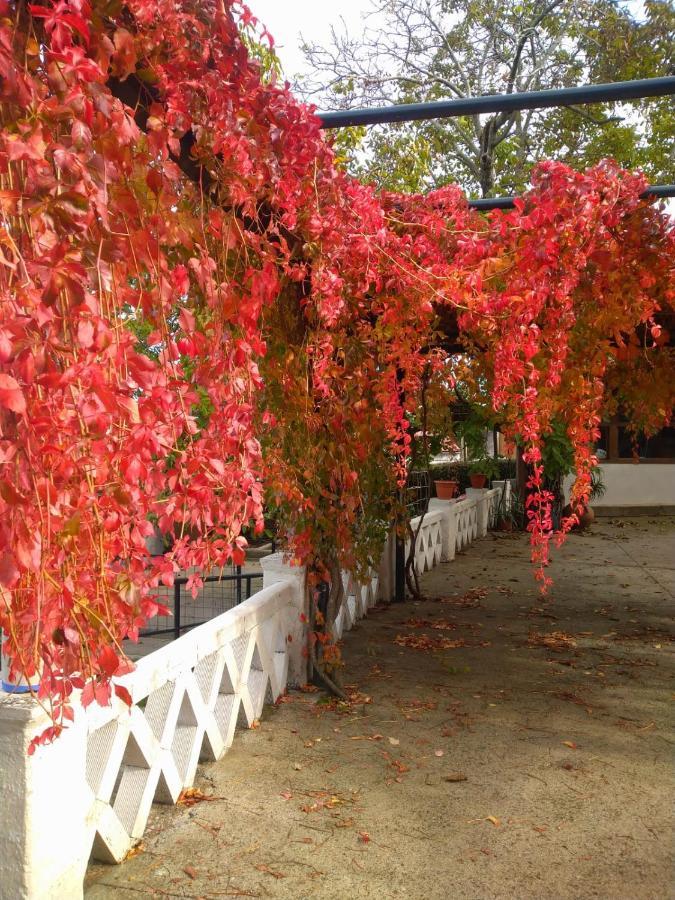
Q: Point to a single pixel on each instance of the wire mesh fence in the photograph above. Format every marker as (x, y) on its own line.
(418, 491)
(218, 594)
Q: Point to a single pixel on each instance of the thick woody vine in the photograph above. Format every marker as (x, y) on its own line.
(153, 183)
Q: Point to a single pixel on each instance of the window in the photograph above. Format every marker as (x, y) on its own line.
(617, 444)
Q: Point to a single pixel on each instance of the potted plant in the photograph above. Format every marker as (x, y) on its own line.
(446, 490)
(585, 514)
(481, 470)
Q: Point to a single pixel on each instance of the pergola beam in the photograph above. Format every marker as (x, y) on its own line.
(486, 203)
(469, 106)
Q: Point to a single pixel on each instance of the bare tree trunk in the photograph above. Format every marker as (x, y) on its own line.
(316, 670)
(487, 155)
(411, 575)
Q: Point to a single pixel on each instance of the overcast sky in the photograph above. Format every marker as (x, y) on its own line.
(286, 20)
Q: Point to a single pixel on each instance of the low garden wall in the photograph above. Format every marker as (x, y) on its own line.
(90, 793)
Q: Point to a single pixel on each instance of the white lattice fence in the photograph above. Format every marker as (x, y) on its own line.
(429, 544)
(467, 523)
(357, 599)
(188, 699)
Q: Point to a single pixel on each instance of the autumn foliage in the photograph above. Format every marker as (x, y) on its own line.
(198, 305)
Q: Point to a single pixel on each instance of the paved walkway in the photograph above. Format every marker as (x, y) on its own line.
(496, 747)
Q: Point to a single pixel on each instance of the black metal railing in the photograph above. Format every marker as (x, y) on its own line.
(417, 493)
(218, 594)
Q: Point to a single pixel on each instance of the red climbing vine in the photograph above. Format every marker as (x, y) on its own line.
(197, 306)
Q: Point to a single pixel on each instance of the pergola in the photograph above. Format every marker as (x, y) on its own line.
(509, 102)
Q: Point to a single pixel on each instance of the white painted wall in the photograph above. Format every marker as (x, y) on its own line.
(635, 484)
(43, 806)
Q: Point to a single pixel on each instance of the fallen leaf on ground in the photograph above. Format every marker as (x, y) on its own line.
(425, 642)
(324, 800)
(135, 850)
(469, 600)
(439, 752)
(263, 868)
(554, 640)
(212, 829)
(571, 745)
(364, 837)
(439, 624)
(394, 742)
(417, 704)
(190, 872)
(455, 777)
(376, 672)
(495, 821)
(191, 796)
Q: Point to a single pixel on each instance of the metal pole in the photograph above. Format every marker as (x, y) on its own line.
(176, 609)
(653, 191)
(238, 585)
(470, 106)
(399, 590)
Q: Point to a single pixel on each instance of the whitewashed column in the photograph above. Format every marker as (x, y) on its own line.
(275, 570)
(44, 801)
(448, 526)
(481, 498)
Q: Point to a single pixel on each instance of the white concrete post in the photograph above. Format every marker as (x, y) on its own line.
(448, 526)
(481, 498)
(44, 800)
(276, 570)
(504, 488)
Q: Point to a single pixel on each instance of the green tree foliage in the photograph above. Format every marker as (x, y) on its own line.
(426, 50)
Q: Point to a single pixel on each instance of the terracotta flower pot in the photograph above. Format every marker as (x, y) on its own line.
(478, 480)
(586, 517)
(446, 490)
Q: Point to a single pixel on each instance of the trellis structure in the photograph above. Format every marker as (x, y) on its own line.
(468, 106)
(465, 106)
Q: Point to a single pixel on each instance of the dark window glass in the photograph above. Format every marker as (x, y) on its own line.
(660, 446)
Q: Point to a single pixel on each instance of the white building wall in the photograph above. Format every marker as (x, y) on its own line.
(634, 485)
